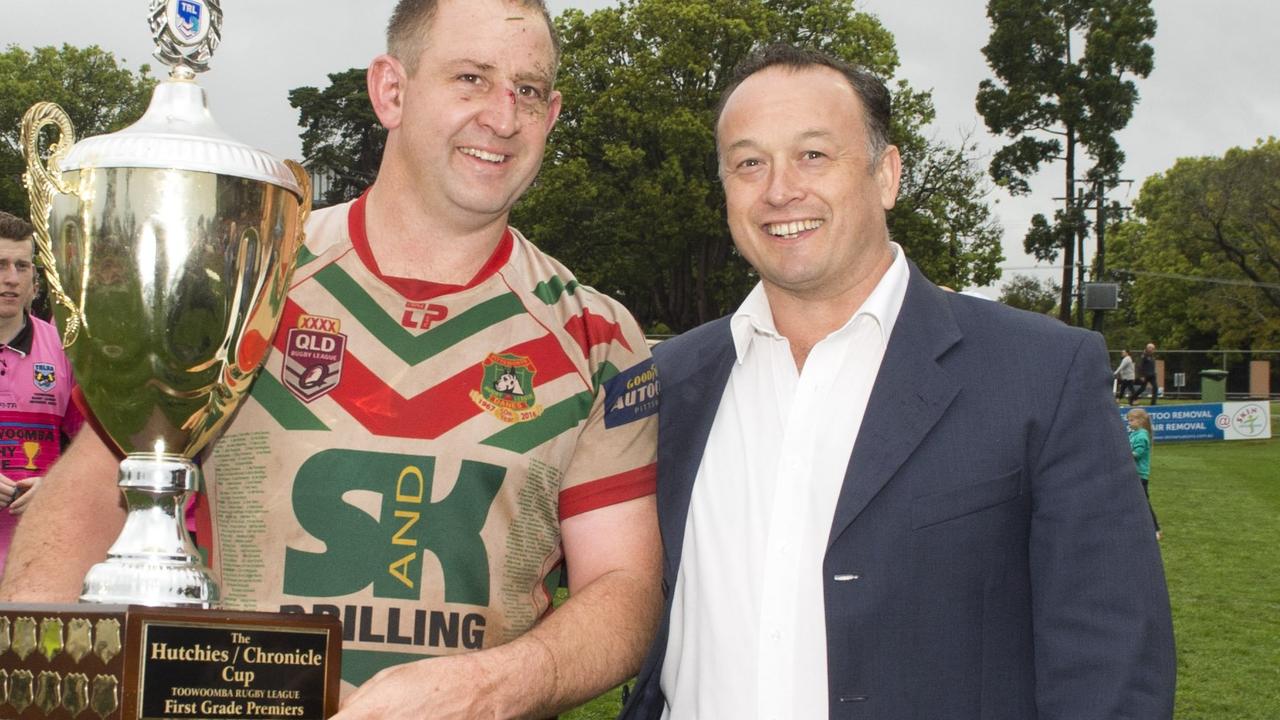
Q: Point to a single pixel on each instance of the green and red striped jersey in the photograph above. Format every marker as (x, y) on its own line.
(409, 449)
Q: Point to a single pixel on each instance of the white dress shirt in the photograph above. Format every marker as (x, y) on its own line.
(748, 629)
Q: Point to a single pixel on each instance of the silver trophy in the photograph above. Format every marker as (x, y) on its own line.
(168, 248)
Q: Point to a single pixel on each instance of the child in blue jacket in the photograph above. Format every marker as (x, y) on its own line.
(1140, 439)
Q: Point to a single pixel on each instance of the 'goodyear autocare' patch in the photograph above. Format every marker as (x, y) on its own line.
(631, 395)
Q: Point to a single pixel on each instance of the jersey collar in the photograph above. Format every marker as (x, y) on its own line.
(419, 289)
(21, 343)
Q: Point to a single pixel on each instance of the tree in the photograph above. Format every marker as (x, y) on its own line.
(1056, 99)
(97, 93)
(942, 216)
(629, 194)
(342, 135)
(1029, 293)
(1203, 253)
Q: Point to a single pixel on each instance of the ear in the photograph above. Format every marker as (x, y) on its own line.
(386, 79)
(888, 174)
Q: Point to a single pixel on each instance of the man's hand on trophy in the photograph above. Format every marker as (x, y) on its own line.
(22, 497)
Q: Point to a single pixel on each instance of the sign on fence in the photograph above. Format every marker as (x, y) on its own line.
(1210, 421)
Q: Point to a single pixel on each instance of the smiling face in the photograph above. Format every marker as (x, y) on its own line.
(17, 277)
(806, 200)
(469, 126)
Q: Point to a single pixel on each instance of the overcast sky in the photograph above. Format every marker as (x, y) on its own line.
(1214, 85)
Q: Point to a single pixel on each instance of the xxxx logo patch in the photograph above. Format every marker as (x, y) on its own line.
(506, 391)
(313, 357)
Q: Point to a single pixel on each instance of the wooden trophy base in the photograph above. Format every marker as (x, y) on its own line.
(132, 662)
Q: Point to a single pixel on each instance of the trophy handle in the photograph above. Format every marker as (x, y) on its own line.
(304, 210)
(268, 295)
(43, 180)
(248, 341)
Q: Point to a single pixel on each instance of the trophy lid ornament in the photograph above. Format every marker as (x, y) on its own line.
(178, 132)
(186, 33)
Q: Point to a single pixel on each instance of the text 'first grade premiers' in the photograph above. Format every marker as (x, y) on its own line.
(231, 672)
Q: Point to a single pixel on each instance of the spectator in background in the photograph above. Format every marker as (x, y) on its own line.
(1141, 439)
(1146, 375)
(36, 412)
(1124, 375)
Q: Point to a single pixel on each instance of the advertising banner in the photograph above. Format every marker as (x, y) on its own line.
(1249, 420)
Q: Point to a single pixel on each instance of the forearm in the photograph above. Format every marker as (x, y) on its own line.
(68, 527)
(590, 644)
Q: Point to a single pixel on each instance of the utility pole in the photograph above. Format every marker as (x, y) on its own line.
(1081, 206)
(1100, 260)
(1096, 201)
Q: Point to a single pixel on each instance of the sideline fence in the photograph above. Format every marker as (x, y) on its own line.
(1181, 376)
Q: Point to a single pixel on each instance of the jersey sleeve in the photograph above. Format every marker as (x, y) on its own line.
(615, 459)
(72, 418)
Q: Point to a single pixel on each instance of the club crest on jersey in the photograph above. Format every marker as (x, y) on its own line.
(313, 357)
(506, 391)
(44, 377)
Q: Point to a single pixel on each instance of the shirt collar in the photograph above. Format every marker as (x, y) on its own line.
(754, 318)
(21, 343)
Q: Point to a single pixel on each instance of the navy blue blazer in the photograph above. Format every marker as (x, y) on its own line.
(1003, 560)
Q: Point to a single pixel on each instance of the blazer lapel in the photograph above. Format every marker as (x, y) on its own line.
(690, 398)
(911, 393)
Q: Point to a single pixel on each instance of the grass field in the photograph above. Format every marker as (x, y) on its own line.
(1219, 506)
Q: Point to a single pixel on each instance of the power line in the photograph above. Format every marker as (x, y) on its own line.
(1197, 278)
(1152, 273)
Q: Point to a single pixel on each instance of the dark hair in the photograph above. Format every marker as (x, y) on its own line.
(874, 96)
(13, 227)
(411, 19)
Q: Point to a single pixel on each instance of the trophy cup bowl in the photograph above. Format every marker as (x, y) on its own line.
(168, 249)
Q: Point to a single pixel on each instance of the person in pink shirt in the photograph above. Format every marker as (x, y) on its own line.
(36, 412)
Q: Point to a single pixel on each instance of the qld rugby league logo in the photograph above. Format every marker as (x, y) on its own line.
(313, 356)
(507, 388)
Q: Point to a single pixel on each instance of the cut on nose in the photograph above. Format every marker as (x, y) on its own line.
(502, 115)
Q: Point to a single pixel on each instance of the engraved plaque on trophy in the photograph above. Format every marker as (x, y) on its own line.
(132, 662)
(168, 249)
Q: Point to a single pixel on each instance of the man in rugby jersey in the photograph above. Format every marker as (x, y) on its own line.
(445, 421)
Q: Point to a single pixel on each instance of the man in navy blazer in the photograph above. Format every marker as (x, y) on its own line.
(985, 552)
